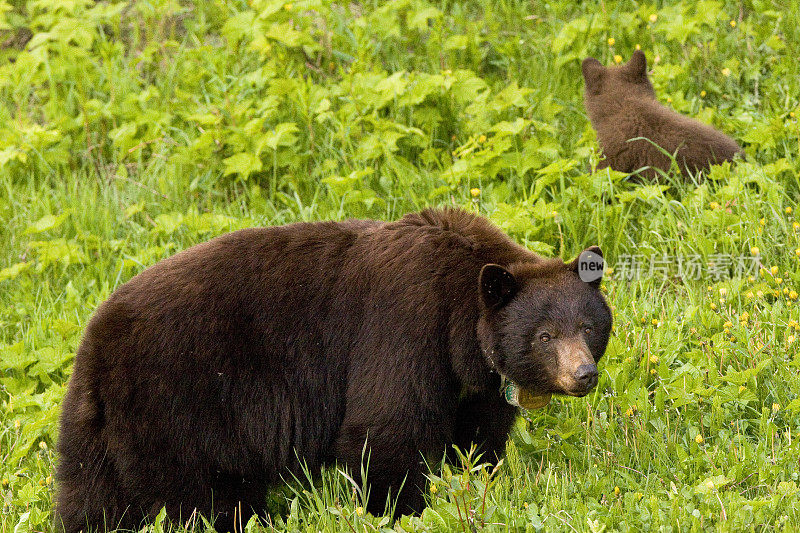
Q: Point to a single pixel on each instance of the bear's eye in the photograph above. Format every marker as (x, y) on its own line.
(587, 329)
(544, 337)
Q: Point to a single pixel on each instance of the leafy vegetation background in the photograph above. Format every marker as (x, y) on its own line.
(131, 130)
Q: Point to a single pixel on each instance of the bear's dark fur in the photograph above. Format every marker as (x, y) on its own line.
(622, 105)
(201, 381)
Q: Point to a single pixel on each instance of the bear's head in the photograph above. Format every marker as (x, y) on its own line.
(607, 85)
(542, 326)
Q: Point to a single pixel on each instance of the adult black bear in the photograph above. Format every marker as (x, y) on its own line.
(622, 106)
(201, 381)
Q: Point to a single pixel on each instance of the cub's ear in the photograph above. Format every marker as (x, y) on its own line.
(593, 72)
(589, 265)
(497, 286)
(637, 66)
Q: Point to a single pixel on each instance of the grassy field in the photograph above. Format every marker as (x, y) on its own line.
(131, 130)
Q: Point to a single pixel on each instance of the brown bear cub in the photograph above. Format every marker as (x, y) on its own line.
(213, 374)
(622, 105)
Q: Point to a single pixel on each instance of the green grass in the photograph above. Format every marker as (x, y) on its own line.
(131, 130)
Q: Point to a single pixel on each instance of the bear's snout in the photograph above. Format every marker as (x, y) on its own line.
(577, 371)
(586, 377)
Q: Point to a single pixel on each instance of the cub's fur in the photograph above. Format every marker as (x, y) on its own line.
(622, 106)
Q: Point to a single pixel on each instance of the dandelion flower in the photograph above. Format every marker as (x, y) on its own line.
(788, 210)
(475, 192)
(726, 72)
(617, 58)
(699, 439)
(733, 24)
(653, 18)
(703, 94)
(482, 139)
(754, 250)
(611, 41)
(654, 359)
(774, 270)
(359, 511)
(793, 295)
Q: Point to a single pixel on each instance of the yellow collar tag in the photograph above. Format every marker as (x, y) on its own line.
(524, 398)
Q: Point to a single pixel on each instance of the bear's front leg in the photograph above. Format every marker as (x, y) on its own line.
(393, 459)
(484, 419)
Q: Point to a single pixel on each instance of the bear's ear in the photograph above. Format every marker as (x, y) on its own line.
(497, 286)
(593, 72)
(589, 265)
(637, 66)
